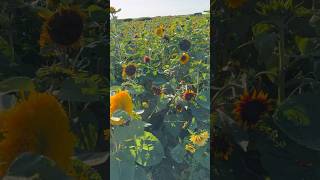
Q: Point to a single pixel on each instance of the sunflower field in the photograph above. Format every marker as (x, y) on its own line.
(265, 94)
(160, 97)
(54, 89)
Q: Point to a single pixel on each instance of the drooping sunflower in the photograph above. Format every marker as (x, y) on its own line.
(190, 148)
(188, 95)
(128, 70)
(39, 125)
(222, 146)
(250, 108)
(234, 4)
(112, 10)
(184, 58)
(199, 139)
(120, 101)
(63, 27)
(160, 31)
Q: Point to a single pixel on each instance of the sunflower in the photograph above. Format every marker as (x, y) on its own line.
(145, 105)
(222, 147)
(250, 108)
(160, 31)
(120, 101)
(190, 148)
(112, 10)
(128, 70)
(179, 108)
(188, 95)
(234, 4)
(39, 125)
(146, 59)
(184, 58)
(200, 139)
(157, 91)
(64, 27)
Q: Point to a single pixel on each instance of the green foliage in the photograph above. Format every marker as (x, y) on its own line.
(272, 46)
(29, 165)
(77, 76)
(157, 89)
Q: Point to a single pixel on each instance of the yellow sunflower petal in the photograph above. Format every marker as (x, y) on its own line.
(115, 121)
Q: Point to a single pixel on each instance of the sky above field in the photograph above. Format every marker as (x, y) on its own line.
(151, 8)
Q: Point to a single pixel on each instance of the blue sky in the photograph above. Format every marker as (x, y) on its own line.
(151, 8)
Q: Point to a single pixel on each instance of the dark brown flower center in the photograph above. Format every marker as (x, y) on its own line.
(156, 90)
(65, 27)
(252, 111)
(183, 57)
(146, 59)
(130, 70)
(188, 96)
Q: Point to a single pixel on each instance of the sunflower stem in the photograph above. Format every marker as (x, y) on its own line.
(282, 64)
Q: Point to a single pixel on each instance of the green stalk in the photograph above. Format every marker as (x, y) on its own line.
(282, 64)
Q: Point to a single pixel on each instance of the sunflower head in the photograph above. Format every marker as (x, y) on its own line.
(250, 108)
(112, 10)
(190, 148)
(199, 139)
(179, 107)
(64, 27)
(156, 90)
(128, 70)
(121, 101)
(39, 125)
(188, 95)
(222, 146)
(185, 45)
(184, 58)
(234, 4)
(145, 104)
(160, 31)
(146, 59)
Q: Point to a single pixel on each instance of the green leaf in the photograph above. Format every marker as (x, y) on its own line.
(85, 171)
(16, 84)
(178, 153)
(203, 99)
(305, 45)
(120, 169)
(173, 124)
(148, 150)
(298, 117)
(203, 157)
(239, 135)
(28, 164)
(134, 129)
(5, 48)
(200, 114)
(140, 174)
(70, 91)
